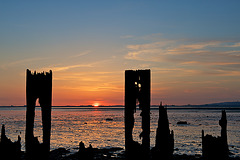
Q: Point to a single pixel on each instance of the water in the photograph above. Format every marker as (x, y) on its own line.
(70, 126)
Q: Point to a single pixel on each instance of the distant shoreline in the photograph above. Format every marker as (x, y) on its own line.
(122, 107)
(222, 105)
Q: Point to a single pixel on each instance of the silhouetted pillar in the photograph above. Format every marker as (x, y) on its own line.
(144, 105)
(164, 139)
(38, 86)
(216, 147)
(223, 124)
(29, 124)
(9, 149)
(3, 135)
(130, 105)
(137, 87)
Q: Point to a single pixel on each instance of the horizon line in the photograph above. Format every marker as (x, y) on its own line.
(120, 105)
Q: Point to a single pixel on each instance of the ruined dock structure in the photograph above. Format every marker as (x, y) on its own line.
(164, 145)
(9, 149)
(216, 147)
(38, 86)
(138, 88)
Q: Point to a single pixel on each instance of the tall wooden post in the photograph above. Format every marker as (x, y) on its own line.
(137, 87)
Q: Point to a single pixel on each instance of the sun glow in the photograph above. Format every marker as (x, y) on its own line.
(96, 105)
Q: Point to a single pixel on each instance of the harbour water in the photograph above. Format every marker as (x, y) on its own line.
(104, 127)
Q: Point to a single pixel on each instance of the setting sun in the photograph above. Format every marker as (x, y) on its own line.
(95, 104)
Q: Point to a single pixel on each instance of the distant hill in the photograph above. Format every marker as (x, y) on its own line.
(225, 104)
(211, 105)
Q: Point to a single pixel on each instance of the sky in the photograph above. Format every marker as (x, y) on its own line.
(192, 48)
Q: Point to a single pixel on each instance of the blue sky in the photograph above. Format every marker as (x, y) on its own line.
(192, 48)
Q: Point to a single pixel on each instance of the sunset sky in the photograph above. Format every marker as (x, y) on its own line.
(192, 48)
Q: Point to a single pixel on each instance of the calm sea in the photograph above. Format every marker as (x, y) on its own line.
(72, 125)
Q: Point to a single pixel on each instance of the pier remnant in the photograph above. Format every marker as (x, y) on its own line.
(164, 146)
(9, 149)
(137, 88)
(216, 147)
(38, 86)
(85, 153)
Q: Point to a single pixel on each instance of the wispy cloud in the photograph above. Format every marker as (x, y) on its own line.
(21, 61)
(63, 68)
(234, 45)
(200, 45)
(146, 52)
(81, 54)
(200, 56)
(86, 76)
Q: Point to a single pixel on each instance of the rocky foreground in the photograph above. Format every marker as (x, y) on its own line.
(109, 154)
(113, 153)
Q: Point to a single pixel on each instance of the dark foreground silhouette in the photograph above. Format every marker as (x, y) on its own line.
(38, 86)
(216, 147)
(164, 146)
(137, 88)
(9, 149)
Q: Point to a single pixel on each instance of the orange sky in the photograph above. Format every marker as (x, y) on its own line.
(192, 49)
